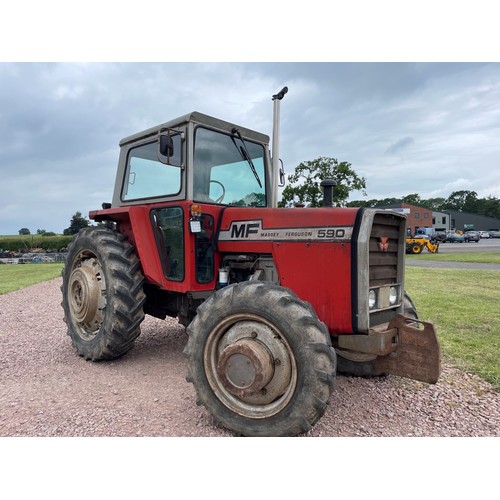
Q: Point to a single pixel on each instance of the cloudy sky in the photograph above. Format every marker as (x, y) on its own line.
(407, 127)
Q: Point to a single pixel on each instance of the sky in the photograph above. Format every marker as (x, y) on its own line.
(410, 117)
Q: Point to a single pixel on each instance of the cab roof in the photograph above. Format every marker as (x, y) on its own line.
(198, 118)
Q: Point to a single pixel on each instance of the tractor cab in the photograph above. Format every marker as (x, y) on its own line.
(173, 183)
(199, 158)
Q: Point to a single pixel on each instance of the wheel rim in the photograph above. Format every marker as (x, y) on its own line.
(87, 295)
(250, 366)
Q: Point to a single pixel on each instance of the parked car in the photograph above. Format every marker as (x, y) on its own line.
(472, 236)
(452, 237)
(438, 236)
(494, 234)
(484, 234)
(432, 236)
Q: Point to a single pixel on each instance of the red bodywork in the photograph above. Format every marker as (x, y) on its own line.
(319, 272)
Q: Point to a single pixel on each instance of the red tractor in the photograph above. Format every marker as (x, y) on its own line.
(276, 301)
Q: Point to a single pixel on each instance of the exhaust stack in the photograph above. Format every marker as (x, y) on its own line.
(328, 186)
(275, 145)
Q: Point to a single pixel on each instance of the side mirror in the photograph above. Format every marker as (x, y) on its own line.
(166, 145)
(170, 147)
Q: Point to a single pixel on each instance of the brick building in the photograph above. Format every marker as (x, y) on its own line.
(416, 217)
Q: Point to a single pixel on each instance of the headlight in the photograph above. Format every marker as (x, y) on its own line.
(372, 299)
(393, 295)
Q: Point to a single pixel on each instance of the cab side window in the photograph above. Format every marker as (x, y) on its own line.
(147, 177)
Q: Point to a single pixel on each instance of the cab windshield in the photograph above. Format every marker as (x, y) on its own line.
(223, 171)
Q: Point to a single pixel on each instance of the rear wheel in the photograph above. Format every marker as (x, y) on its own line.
(102, 294)
(361, 364)
(260, 360)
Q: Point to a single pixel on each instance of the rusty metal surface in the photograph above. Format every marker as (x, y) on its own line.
(376, 343)
(245, 367)
(418, 354)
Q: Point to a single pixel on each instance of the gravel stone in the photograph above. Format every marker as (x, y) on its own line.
(46, 389)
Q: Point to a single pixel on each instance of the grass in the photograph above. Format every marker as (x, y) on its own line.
(483, 258)
(464, 307)
(14, 277)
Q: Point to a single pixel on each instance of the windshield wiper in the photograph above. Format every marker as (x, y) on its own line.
(244, 154)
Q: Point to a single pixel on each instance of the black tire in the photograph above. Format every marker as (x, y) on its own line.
(417, 248)
(252, 320)
(366, 368)
(102, 294)
(409, 307)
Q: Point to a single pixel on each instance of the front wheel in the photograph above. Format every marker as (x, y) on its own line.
(260, 360)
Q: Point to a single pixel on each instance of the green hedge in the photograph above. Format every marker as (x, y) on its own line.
(27, 243)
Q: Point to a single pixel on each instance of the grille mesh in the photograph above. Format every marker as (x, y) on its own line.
(384, 263)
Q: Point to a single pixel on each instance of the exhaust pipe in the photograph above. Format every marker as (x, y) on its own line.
(275, 145)
(328, 185)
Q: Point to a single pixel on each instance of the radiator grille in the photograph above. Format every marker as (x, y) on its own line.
(383, 249)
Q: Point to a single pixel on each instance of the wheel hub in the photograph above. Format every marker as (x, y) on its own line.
(245, 367)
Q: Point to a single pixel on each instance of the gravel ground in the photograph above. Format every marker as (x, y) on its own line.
(47, 390)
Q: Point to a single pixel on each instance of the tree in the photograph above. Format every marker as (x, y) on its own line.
(305, 183)
(435, 204)
(489, 206)
(412, 199)
(388, 201)
(77, 222)
(362, 203)
(24, 231)
(464, 200)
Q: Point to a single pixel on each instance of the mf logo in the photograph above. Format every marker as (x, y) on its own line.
(244, 229)
(383, 244)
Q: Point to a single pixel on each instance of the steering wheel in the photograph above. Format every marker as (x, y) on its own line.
(221, 197)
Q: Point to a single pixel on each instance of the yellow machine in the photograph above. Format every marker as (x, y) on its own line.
(417, 244)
